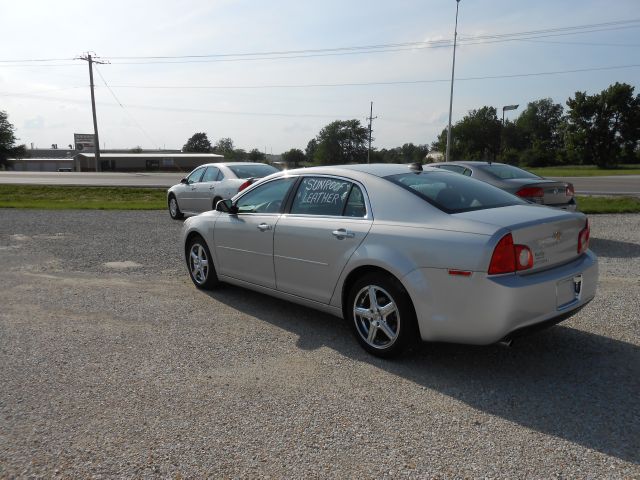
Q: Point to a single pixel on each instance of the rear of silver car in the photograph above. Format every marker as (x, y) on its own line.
(548, 192)
(554, 276)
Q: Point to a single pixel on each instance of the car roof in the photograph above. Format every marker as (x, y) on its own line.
(468, 163)
(226, 164)
(377, 169)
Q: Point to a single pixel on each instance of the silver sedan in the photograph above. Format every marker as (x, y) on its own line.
(207, 184)
(520, 182)
(402, 253)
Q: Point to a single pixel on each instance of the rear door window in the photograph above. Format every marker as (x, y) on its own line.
(211, 174)
(321, 196)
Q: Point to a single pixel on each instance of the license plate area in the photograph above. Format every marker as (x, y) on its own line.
(568, 292)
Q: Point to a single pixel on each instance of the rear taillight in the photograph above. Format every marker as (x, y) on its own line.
(531, 193)
(583, 238)
(245, 185)
(570, 191)
(509, 258)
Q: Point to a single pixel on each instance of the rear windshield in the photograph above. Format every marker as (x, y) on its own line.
(505, 172)
(454, 193)
(258, 170)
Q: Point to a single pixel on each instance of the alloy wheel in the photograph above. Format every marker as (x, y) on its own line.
(376, 316)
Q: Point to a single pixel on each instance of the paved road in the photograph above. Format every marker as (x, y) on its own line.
(614, 185)
(113, 365)
(611, 185)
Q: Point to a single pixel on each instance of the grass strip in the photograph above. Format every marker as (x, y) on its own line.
(125, 198)
(83, 198)
(594, 205)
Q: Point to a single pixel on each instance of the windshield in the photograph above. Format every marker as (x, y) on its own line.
(258, 170)
(453, 193)
(505, 172)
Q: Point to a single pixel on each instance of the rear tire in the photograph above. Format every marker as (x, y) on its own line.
(200, 264)
(381, 315)
(174, 209)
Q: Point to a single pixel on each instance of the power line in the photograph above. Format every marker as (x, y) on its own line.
(322, 85)
(379, 46)
(349, 50)
(362, 84)
(126, 110)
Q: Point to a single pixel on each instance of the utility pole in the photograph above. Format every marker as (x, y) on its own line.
(371, 118)
(453, 70)
(96, 139)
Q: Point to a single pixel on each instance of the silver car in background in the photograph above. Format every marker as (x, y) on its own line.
(207, 184)
(402, 253)
(520, 182)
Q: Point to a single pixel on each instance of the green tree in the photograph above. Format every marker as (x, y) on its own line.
(407, 153)
(8, 147)
(414, 153)
(475, 137)
(342, 141)
(256, 155)
(198, 143)
(536, 134)
(310, 151)
(294, 157)
(604, 128)
(225, 147)
(237, 154)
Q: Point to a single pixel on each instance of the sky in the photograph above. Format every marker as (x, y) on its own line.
(270, 74)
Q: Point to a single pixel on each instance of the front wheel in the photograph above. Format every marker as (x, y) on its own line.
(381, 315)
(174, 209)
(200, 264)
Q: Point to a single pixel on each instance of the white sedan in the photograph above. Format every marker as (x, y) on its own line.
(206, 185)
(402, 253)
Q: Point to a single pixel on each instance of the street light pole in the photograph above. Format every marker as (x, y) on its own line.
(453, 69)
(504, 109)
(508, 107)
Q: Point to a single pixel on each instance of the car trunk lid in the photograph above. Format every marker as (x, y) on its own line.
(551, 235)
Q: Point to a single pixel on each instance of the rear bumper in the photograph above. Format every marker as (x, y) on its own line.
(483, 309)
(537, 327)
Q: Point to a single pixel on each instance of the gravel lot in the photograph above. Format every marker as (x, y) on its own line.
(113, 365)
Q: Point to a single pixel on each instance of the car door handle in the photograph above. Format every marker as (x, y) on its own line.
(263, 227)
(212, 187)
(342, 233)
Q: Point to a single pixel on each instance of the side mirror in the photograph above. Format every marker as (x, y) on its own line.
(226, 206)
(184, 180)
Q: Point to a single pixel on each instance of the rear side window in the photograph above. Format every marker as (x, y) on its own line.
(211, 174)
(454, 193)
(506, 172)
(258, 170)
(453, 168)
(321, 196)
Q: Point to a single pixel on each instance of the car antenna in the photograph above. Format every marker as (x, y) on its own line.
(417, 166)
